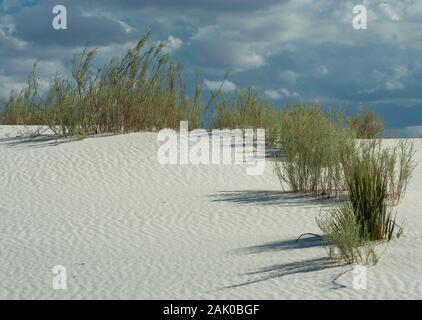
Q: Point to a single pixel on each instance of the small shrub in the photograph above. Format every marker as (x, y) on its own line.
(312, 145)
(345, 237)
(366, 125)
(23, 107)
(401, 168)
(376, 178)
(367, 174)
(247, 110)
(378, 175)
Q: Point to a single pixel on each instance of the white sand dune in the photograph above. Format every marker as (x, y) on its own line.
(126, 227)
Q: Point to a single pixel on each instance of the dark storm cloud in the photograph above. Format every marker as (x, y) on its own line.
(297, 49)
(34, 25)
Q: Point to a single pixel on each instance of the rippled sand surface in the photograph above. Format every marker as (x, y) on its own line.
(126, 227)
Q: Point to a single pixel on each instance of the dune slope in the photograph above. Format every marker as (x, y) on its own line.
(126, 227)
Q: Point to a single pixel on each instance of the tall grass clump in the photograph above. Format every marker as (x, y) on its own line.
(376, 178)
(367, 175)
(376, 173)
(143, 90)
(345, 237)
(246, 109)
(401, 170)
(23, 107)
(312, 144)
(366, 125)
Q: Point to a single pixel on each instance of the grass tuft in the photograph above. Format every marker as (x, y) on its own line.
(143, 90)
(345, 237)
(312, 144)
(376, 177)
(366, 125)
(246, 109)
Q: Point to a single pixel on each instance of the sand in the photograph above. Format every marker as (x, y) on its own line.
(126, 227)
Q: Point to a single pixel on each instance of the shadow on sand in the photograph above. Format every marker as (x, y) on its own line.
(292, 244)
(274, 198)
(282, 199)
(291, 268)
(35, 142)
(42, 141)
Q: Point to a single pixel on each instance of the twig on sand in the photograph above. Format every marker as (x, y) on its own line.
(308, 234)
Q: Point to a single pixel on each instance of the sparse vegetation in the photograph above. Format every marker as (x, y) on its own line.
(320, 156)
(401, 170)
(366, 125)
(345, 237)
(390, 167)
(144, 90)
(312, 145)
(367, 177)
(376, 178)
(247, 110)
(21, 108)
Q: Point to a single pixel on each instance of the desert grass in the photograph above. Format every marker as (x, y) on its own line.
(401, 169)
(312, 145)
(321, 156)
(376, 177)
(394, 165)
(366, 125)
(367, 175)
(143, 90)
(22, 108)
(246, 109)
(345, 238)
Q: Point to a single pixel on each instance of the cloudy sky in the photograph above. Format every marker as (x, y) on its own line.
(290, 50)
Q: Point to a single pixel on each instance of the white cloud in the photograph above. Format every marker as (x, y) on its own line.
(391, 81)
(8, 84)
(288, 77)
(273, 94)
(395, 81)
(393, 85)
(172, 44)
(242, 41)
(289, 94)
(322, 71)
(400, 72)
(281, 93)
(215, 46)
(228, 86)
(127, 27)
(10, 5)
(388, 11)
(9, 42)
